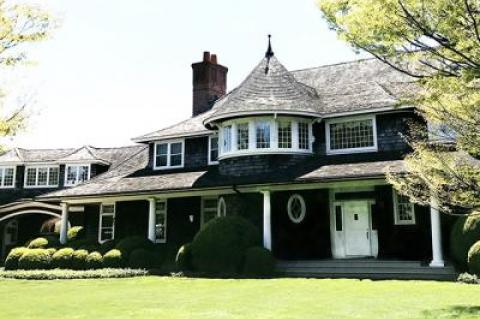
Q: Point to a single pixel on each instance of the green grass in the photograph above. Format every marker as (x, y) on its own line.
(170, 298)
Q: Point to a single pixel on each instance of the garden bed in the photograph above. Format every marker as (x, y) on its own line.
(53, 274)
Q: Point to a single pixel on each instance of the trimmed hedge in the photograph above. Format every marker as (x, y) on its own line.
(474, 258)
(141, 258)
(183, 260)
(465, 233)
(94, 260)
(11, 262)
(259, 262)
(219, 248)
(75, 233)
(63, 258)
(35, 259)
(72, 274)
(129, 244)
(79, 259)
(113, 259)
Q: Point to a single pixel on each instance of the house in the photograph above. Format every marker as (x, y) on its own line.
(301, 154)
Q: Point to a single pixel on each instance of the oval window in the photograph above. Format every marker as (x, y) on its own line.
(296, 208)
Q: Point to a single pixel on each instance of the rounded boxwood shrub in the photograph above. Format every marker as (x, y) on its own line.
(35, 259)
(465, 232)
(183, 260)
(63, 258)
(259, 262)
(79, 259)
(40, 242)
(113, 259)
(94, 260)
(106, 247)
(11, 262)
(76, 232)
(141, 258)
(474, 258)
(219, 248)
(129, 244)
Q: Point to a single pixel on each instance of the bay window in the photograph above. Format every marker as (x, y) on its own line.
(42, 176)
(351, 135)
(7, 177)
(169, 154)
(76, 174)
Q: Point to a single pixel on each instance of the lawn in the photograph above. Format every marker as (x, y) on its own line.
(170, 298)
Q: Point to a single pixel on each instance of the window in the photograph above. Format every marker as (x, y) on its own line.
(42, 176)
(296, 208)
(213, 150)
(303, 136)
(76, 174)
(403, 209)
(242, 136)
(222, 207)
(209, 209)
(227, 139)
(263, 134)
(285, 134)
(161, 221)
(351, 135)
(7, 177)
(106, 226)
(169, 154)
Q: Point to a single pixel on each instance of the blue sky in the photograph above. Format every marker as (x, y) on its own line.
(116, 69)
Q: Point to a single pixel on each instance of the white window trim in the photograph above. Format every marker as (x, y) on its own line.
(210, 162)
(252, 138)
(169, 145)
(36, 177)
(202, 212)
(373, 148)
(303, 206)
(165, 211)
(221, 205)
(2, 180)
(396, 216)
(76, 179)
(100, 216)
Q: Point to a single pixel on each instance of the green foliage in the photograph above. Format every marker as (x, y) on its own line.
(11, 262)
(467, 278)
(40, 242)
(129, 244)
(35, 259)
(62, 258)
(75, 233)
(94, 260)
(72, 274)
(113, 259)
(474, 258)
(465, 232)
(106, 246)
(141, 258)
(219, 248)
(259, 262)
(79, 259)
(183, 260)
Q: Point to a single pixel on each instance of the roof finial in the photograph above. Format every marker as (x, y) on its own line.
(269, 53)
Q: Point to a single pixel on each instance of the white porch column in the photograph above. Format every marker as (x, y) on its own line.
(267, 222)
(437, 253)
(151, 219)
(64, 224)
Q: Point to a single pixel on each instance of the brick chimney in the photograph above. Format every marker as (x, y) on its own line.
(209, 83)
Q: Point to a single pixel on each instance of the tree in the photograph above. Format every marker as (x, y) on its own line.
(20, 26)
(437, 43)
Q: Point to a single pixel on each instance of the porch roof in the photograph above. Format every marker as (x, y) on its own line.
(130, 181)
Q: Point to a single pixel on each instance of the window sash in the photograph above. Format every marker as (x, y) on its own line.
(242, 136)
(284, 134)
(42, 176)
(213, 150)
(106, 226)
(161, 221)
(263, 134)
(7, 177)
(169, 154)
(354, 134)
(227, 139)
(404, 210)
(209, 209)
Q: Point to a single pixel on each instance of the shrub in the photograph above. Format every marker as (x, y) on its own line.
(113, 259)
(183, 260)
(72, 274)
(63, 258)
(75, 233)
(43, 242)
(259, 262)
(219, 248)
(11, 262)
(129, 244)
(474, 258)
(35, 259)
(465, 233)
(141, 258)
(106, 247)
(94, 260)
(79, 259)
(467, 278)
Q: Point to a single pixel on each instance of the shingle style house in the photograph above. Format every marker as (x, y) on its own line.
(301, 154)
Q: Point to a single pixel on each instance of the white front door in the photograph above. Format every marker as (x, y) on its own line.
(357, 229)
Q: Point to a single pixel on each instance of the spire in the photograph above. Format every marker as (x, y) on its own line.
(269, 52)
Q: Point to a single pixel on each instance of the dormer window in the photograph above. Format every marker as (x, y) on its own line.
(351, 135)
(169, 154)
(7, 177)
(41, 176)
(76, 174)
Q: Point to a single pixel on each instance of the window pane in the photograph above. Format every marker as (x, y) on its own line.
(213, 149)
(176, 148)
(31, 176)
(82, 173)
(108, 209)
(303, 136)
(227, 138)
(72, 175)
(53, 176)
(284, 135)
(263, 135)
(353, 134)
(42, 176)
(176, 160)
(162, 149)
(161, 160)
(242, 133)
(8, 177)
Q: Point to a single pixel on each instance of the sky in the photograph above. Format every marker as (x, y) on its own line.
(117, 69)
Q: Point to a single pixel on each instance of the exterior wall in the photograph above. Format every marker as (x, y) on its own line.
(259, 164)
